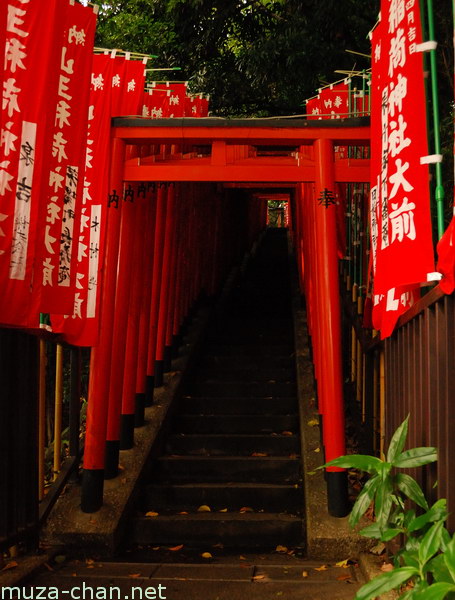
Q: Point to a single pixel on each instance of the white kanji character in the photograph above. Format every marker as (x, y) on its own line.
(14, 54)
(86, 196)
(49, 240)
(68, 66)
(174, 100)
(58, 147)
(116, 81)
(145, 111)
(79, 278)
(412, 34)
(338, 101)
(53, 211)
(397, 94)
(81, 249)
(89, 154)
(328, 103)
(63, 88)
(77, 312)
(402, 221)
(377, 52)
(47, 272)
(397, 179)
(55, 179)
(5, 178)
(98, 82)
(14, 21)
(85, 220)
(397, 52)
(315, 111)
(396, 14)
(78, 36)
(10, 93)
(410, 4)
(131, 85)
(62, 114)
(397, 139)
(7, 139)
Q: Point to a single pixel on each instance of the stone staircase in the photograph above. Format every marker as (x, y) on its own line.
(234, 446)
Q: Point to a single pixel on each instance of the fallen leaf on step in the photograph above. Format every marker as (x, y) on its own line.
(73, 574)
(259, 454)
(47, 565)
(176, 548)
(387, 567)
(206, 555)
(321, 568)
(287, 433)
(246, 509)
(183, 512)
(89, 561)
(258, 577)
(293, 455)
(242, 557)
(317, 450)
(219, 545)
(223, 510)
(378, 549)
(280, 548)
(11, 565)
(204, 508)
(304, 573)
(59, 559)
(156, 548)
(344, 578)
(151, 513)
(134, 575)
(313, 422)
(343, 564)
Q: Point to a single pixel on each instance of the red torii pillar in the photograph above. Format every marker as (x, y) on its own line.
(329, 316)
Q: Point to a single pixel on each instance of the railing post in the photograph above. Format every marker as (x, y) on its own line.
(330, 318)
(75, 406)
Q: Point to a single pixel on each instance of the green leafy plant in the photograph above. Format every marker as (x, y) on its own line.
(424, 566)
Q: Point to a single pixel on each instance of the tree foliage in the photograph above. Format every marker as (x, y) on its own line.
(254, 57)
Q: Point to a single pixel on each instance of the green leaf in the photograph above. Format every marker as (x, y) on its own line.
(370, 464)
(389, 534)
(410, 559)
(438, 512)
(398, 440)
(410, 488)
(416, 457)
(372, 531)
(386, 582)
(449, 557)
(436, 591)
(430, 542)
(364, 500)
(438, 568)
(383, 501)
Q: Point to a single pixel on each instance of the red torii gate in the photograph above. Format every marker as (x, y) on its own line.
(237, 152)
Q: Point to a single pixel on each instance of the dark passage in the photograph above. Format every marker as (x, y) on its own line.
(234, 445)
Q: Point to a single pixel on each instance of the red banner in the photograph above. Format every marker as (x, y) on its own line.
(81, 328)
(334, 101)
(156, 104)
(59, 218)
(314, 108)
(133, 87)
(400, 223)
(31, 62)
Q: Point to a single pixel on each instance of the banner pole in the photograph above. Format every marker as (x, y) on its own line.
(439, 190)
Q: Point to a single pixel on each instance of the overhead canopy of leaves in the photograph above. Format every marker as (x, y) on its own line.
(254, 57)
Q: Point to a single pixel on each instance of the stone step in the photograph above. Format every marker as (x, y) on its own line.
(238, 405)
(232, 445)
(248, 363)
(237, 371)
(259, 496)
(235, 423)
(277, 350)
(230, 389)
(185, 469)
(232, 529)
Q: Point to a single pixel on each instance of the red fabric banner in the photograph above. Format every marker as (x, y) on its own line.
(81, 328)
(400, 223)
(133, 87)
(60, 215)
(156, 104)
(31, 60)
(177, 100)
(334, 101)
(314, 108)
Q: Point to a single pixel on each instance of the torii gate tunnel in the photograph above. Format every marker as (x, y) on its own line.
(299, 158)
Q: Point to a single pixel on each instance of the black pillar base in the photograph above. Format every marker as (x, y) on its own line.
(159, 373)
(167, 358)
(126, 432)
(92, 490)
(149, 385)
(112, 459)
(139, 410)
(337, 493)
